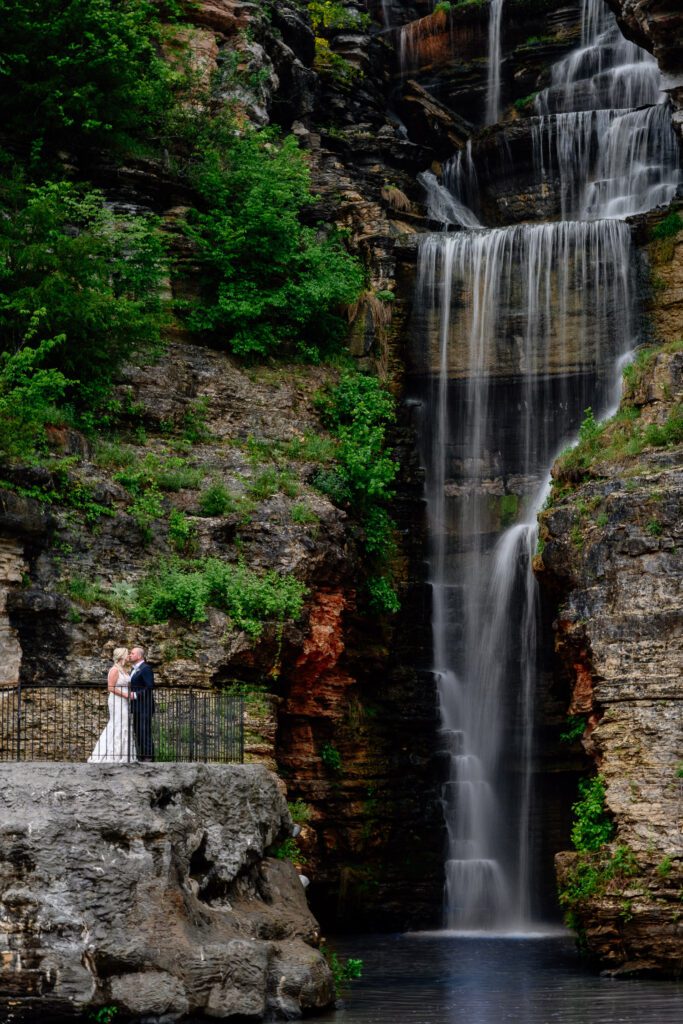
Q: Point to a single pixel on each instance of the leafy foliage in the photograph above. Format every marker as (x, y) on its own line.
(28, 395)
(359, 412)
(181, 532)
(216, 500)
(186, 589)
(343, 971)
(289, 850)
(576, 726)
(669, 227)
(592, 828)
(331, 758)
(593, 875)
(80, 72)
(300, 811)
(269, 283)
(72, 270)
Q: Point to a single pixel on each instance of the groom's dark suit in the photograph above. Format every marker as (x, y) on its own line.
(142, 685)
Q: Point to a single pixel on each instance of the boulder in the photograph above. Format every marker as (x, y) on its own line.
(149, 888)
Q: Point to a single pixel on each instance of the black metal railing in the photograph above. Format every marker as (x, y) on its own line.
(86, 723)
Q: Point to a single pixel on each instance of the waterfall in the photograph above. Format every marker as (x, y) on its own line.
(442, 204)
(494, 59)
(526, 327)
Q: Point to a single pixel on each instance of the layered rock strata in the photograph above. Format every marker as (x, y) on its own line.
(611, 566)
(150, 889)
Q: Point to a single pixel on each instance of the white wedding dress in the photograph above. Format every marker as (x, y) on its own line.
(117, 740)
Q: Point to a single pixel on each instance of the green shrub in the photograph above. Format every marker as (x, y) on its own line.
(669, 227)
(299, 811)
(289, 850)
(72, 270)
(379, 529)
(383, 597)
(272, 480)
(333, 66)
(169, 473)
(592, 876)
(331, 758)
(105, 1015)
(303, 515)
(80, 72)
(146, 508)
(576, 726)
(592, 828)
(359, 411)
(186, 589)
(174, 474)
(343, 971)
(83, 590)
(327, 14)
(269, 284)
(195, 427)
(181, 532)
(664, 867)
(312, 448)
(29, 393)
(217, 500)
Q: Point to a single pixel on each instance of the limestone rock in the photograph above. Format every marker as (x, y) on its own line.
(149, 888)
(612, 566)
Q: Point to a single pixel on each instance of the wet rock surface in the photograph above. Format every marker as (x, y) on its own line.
(150, 888)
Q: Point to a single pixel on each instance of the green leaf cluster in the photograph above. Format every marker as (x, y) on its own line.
(186, 589)
(359, 412)
(328, 14)
(79, 284)
(669, 227)
(592, 828)
(331, 758)
(343, 971)
(269, 283)
(576, 726)
(76, 73)
(29, 393)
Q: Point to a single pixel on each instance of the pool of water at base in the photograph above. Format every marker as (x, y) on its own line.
(442, 978)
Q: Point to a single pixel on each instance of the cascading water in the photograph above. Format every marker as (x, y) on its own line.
(494, 56)
(526, 327)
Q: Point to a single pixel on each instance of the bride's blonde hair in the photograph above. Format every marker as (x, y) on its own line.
(119, 654)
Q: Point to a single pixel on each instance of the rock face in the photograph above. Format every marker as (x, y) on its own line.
(655, 24)
(150, 889)
(611, 566)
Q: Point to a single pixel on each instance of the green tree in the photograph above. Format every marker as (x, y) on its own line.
(28, 395)
(270, 284)
(95, 276)
(80, 72)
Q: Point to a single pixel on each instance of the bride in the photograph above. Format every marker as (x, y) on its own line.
(117, 741)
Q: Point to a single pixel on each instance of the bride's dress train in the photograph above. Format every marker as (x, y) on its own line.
(117, 740)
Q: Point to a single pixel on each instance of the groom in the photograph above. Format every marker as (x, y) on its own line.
(142, 691)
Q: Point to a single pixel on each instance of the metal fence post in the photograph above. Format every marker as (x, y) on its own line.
(191, 733)
(19, 721)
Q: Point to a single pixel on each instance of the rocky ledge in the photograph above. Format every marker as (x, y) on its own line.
(611, 564)
(148, 888)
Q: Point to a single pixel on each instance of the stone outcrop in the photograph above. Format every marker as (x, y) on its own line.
(612, 568)
(151, 889)
(656, 25)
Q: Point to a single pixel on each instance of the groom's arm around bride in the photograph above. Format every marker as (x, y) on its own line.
(142, 689)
